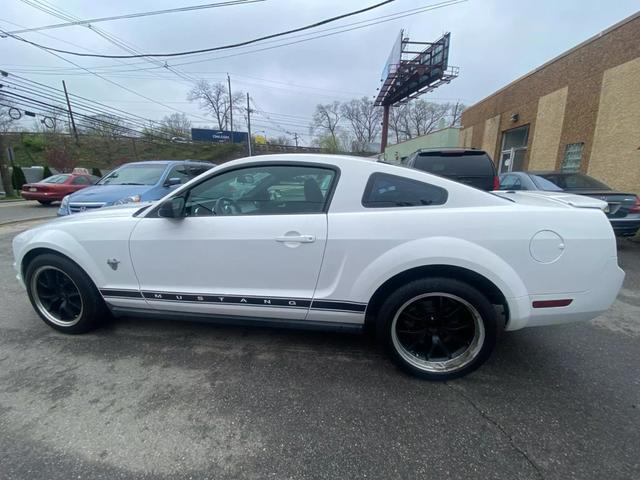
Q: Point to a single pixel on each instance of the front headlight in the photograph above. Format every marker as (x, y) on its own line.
(129, 199)
(64, 206)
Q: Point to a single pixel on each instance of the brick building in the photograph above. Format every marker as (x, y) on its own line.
(579, 111)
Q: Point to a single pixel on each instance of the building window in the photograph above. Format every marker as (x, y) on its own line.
(572, 157)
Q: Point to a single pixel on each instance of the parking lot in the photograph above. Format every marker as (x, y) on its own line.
(155, 399)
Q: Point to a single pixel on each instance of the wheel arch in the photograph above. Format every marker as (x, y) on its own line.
(482, 283)
(36, 252)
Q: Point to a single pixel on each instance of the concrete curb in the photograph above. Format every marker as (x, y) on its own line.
(25, 220)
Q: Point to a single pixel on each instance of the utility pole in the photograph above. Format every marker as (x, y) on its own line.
(230, 106)
(249, 123)
(73, 123)
(295, 138)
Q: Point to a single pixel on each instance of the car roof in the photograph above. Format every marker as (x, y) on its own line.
(449, 149)
(167, 162)
(553, 172)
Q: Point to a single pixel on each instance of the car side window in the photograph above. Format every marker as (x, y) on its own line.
(262, 190)
(181, 172)
(195, 170)
(510, 182)
(81, 181)
(384, 190)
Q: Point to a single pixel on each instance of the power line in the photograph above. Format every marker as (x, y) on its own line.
(135, 15)
(342, 29)
(123, 87)
(205, 50)
(46, 7)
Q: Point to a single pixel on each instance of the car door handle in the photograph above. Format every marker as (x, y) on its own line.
(296, 239)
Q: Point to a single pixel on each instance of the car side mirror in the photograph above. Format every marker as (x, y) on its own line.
(172, 208)
(172, 181)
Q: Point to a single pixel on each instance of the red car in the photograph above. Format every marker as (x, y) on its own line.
(56, 187)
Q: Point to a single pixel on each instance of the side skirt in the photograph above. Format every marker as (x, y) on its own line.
(236, 320)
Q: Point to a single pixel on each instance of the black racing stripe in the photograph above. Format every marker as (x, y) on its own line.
(338, 305)
(228, 299)
(334, 305)
(121, 293)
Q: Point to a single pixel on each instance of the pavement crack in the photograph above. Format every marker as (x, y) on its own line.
(495, 423)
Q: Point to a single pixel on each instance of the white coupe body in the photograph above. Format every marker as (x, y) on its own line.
(544, 261)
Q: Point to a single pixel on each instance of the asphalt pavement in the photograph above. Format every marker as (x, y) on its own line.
(172, 400)
(25, 210)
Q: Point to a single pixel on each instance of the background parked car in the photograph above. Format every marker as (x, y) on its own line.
(56, 187)
(133, 183)
(465, 165)
(623, 209)
(512, 183)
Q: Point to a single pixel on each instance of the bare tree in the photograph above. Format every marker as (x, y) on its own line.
(325, 122)
(424, 117)
(106, 126)
(364, 118)
(176, 125)
(421, 117)
(280, 140)
(397, 120)
(214, 99)
(456, 110)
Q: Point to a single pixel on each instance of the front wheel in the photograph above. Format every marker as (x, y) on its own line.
(438, 328)
(63, 295)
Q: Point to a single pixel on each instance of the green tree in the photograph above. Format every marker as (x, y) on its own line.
(17, 178)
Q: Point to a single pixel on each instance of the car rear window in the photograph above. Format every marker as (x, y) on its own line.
(544, 184)
(455, 163)
(384, 191)
(56, 179)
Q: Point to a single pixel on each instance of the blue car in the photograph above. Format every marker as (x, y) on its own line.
(132, 183)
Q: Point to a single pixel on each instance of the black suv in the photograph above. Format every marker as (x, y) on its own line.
(465, 165)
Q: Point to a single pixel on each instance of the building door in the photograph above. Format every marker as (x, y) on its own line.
(514, 149)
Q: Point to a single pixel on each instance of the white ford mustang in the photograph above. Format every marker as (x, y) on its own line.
(434, 267)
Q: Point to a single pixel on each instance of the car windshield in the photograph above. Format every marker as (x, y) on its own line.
(134, 175)
(574, 181)
(56, 179)
(544, 184)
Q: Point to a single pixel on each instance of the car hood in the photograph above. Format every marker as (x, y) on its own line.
(116, 211)
(108, 193)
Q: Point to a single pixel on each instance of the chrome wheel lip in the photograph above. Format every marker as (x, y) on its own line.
(443, 367)
(38, 301)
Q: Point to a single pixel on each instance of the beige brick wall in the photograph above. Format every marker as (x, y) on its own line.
(466, 134)
(490, 136)
(546, 137)
(615, 156)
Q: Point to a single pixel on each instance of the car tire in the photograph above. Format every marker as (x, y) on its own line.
(438, 328)
(63, 295)
(45, 202)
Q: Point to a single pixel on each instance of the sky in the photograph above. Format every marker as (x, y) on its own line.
(493, 42)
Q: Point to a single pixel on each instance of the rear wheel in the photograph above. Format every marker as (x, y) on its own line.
(45, 202)
(63, 295)
(438, 328)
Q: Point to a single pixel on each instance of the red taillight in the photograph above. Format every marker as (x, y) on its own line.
(636, 207)
(496, 182)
